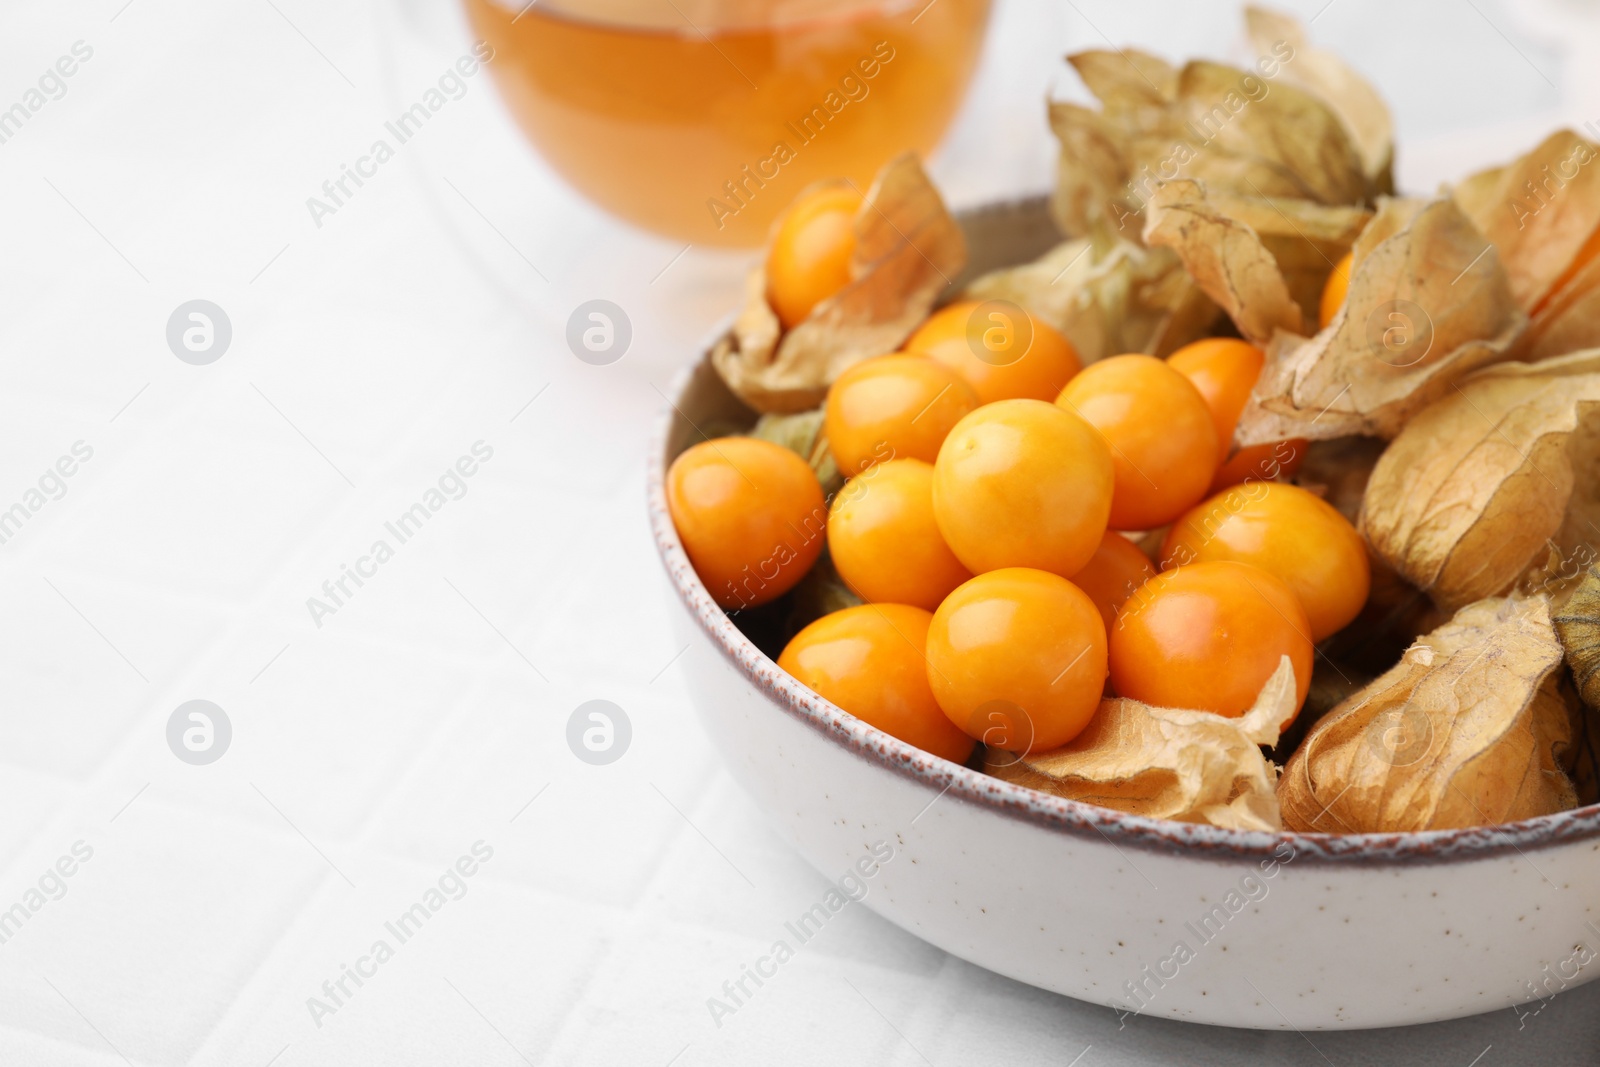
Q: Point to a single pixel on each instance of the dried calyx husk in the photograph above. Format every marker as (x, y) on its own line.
(1542, 213)
(1259, 179)
(1494, 488)
(1428, 303)
(1263, 260)
(908, 250)
(801, 433)
(1331, 685)
(1578, 626)
(1476, 725)
(1106, 301)
(1297, 125)
(1168, 763)
(1323, 74)
(1338, 471)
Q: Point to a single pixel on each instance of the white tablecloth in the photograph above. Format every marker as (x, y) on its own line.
(413, 728)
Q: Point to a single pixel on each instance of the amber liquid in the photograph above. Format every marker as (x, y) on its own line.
(701, 119)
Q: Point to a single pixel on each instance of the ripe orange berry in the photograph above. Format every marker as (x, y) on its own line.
(750, 515)
(869, 661)
(884, 541)
(1335, 290)
(1115, 571)
(1002, 350)
(1207, 637)
(1225, 369)
(1162, 439)
(1288, 532)
(1261, 463)
(1017, 659)
(893, 407)
(1021, 483)
(812, 246)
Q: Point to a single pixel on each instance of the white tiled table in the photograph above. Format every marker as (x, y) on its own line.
(428, 712)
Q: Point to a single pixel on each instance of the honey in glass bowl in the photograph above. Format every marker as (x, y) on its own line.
(701, 119)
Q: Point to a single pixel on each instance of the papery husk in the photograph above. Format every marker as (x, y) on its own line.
(1330, 684)
(1263, 260)
(1344, 381)
(1538, 218)
(1364, 114)
(1483, 485)
(1304, 238)
(1288, 144)
(1198, 122)
(1569, 321)
(1578, 626)
(1542, 211)
(801, 433)
(908, 250)
(1559, 573)
(1227, 259)
(1167, 763)
(1474, 726)
(1338, 471)
(1126, 298)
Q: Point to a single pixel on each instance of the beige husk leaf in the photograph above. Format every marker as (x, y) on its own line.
(1542, 211)
(1570, 320)
(1338, 471)
(1126, 298)
(1578, 626)
(908, 249)
(801, 433)
(1358, 105)
(1240, 131)
(1304, 237)
(1263, 260)
(1484, 486)
(1428, 304)
(1168, 763)
(1539, 210)
(1474, 726)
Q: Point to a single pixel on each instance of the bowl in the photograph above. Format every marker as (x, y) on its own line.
(1149, 917)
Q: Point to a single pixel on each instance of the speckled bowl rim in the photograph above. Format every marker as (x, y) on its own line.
(1057, 814)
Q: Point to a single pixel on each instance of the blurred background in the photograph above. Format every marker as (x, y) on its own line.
(254, 365)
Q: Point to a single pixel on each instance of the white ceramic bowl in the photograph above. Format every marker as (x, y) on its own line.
(1302, 931)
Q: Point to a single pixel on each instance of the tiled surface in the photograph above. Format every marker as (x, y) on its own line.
(427, 713)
